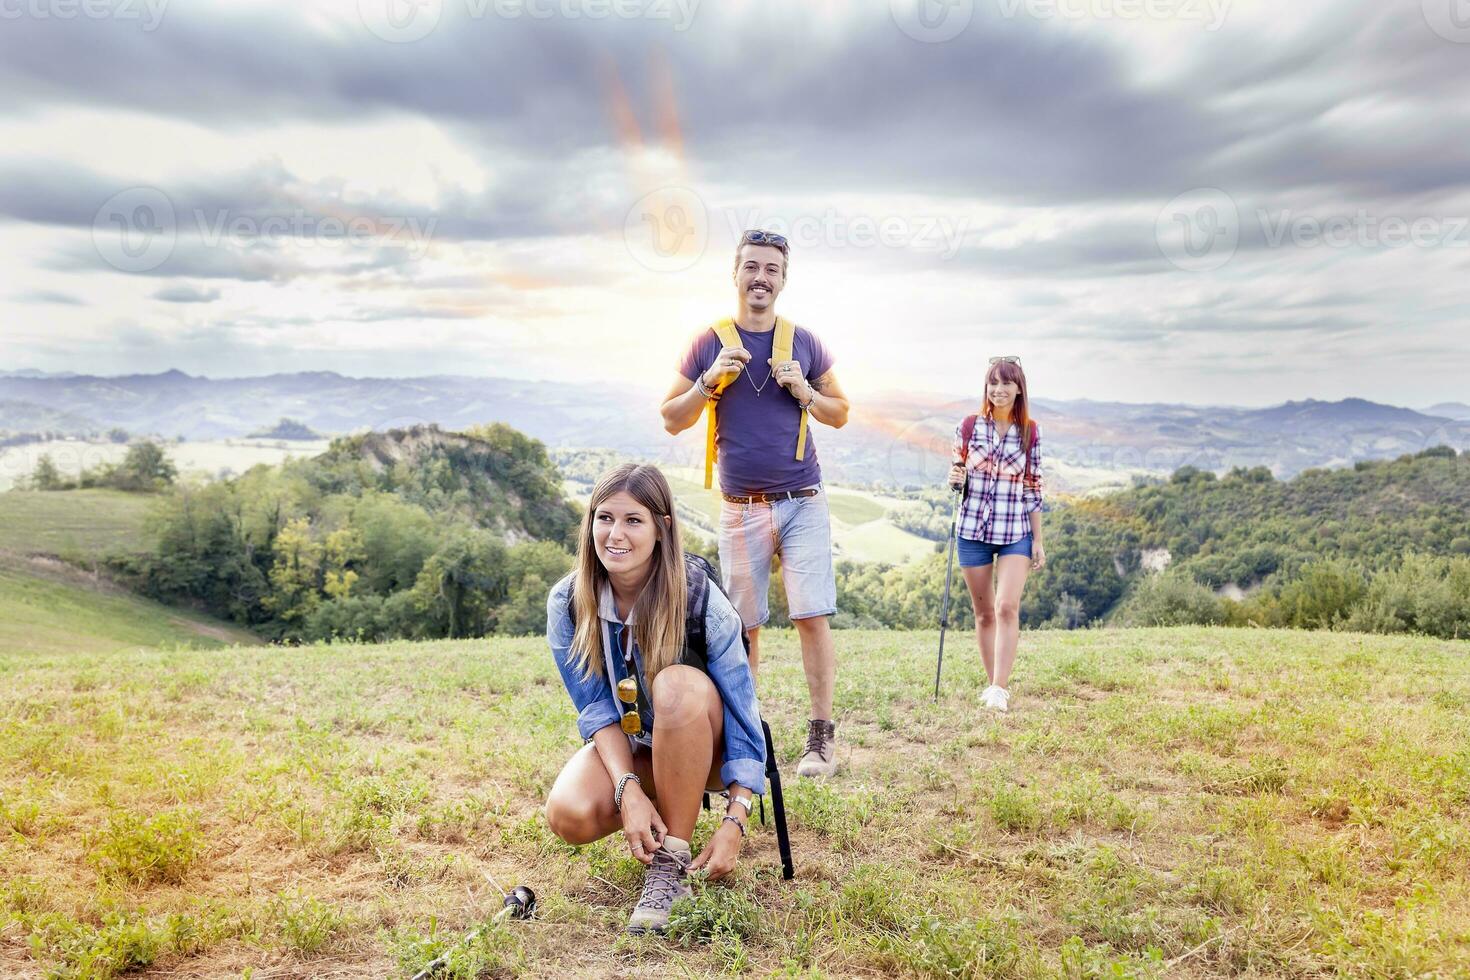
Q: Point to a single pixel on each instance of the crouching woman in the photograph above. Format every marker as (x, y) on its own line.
(662, 722)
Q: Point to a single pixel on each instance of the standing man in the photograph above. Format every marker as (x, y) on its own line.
(774, 503)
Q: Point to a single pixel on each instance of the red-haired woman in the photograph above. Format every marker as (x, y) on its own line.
(997, 459)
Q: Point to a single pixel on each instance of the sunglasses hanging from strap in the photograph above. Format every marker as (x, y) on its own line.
(630, 688)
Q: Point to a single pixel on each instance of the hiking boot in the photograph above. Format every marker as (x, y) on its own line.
(664, 883)
(819, 758)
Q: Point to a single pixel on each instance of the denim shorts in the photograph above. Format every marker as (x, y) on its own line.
(800, 532)
(974, 554)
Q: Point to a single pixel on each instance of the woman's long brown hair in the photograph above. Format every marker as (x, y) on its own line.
(1002, 372)
(658, 613)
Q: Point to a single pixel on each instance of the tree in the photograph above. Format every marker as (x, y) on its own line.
(46, 476)
(343, 548)
(461, 584)
(531, 569)
(145, 468)
(296, 575)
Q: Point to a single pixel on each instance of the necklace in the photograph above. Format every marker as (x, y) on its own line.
(760, 387)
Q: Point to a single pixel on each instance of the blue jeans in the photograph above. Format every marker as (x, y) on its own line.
(974, 554)
(800, 531)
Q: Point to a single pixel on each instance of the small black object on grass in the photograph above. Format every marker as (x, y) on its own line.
(520, 903)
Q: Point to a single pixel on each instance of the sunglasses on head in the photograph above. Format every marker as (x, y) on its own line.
(757, 237)
(1008, 359)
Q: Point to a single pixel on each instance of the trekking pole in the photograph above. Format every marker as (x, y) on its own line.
(520, 903)
(948, 576)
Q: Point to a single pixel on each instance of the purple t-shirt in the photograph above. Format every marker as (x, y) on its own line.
(756, 434)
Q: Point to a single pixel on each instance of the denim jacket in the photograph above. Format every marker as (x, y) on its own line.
(597, 705)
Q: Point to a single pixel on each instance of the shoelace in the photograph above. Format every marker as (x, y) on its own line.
(662, 886)
(816, 740)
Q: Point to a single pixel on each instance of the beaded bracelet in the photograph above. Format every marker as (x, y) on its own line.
(736, 821)
(622, 785)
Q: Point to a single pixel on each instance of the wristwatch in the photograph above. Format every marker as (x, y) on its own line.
(743, 801)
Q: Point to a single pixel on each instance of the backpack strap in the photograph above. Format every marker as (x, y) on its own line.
(1028, 439)
(781, 348)
(697, 576)
(729, 337)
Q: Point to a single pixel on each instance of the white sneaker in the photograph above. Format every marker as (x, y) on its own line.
(996, 699)
(985, 695)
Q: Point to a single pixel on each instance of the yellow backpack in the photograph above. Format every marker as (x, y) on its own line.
(781, 346)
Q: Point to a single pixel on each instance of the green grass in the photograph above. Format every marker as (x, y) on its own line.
(80, 525)
(1159, 803)
(851, 507)
(56, 610)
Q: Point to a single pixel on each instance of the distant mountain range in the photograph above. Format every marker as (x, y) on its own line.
(891, 439)
(1450, 410)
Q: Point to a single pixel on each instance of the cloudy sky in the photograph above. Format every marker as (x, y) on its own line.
(1212, 201)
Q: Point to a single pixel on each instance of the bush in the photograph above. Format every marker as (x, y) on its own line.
(1324, 596)
(713, 913)
(1170, 599)
(1423, 595)
(142, 850)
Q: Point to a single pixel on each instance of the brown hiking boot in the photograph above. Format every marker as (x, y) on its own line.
(819, 758)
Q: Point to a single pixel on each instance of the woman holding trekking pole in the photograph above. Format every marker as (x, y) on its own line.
(997, 465)
(663, 722)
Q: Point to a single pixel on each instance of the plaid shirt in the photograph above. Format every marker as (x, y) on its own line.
(998, 507)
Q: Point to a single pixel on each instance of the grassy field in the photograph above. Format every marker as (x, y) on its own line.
(75, 524)
(49, 608)
(1169, 803)
(860, 531)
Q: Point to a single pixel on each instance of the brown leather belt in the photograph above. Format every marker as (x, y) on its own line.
(765, 498)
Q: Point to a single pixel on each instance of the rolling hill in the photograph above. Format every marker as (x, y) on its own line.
(894, 440)
(54, 596)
